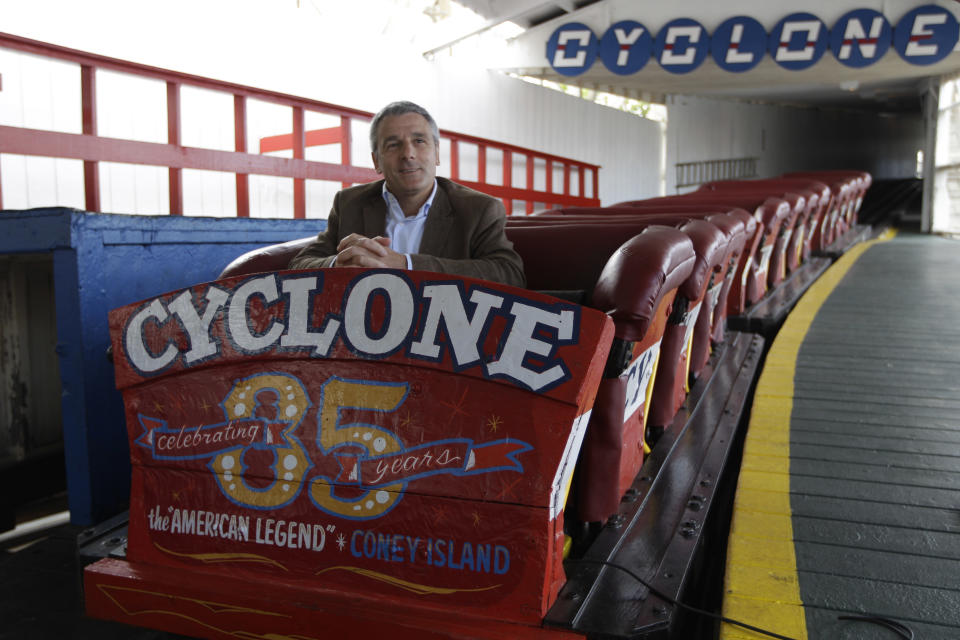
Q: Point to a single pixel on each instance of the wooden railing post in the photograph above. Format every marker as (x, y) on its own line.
(530, 167)
(240, 144)
(346, 142)
(173, 137)
(299, 146)
(454, 159)
(482, 164)
(91, 170)
(508, 179)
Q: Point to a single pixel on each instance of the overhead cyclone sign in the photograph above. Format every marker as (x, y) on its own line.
(922, 36)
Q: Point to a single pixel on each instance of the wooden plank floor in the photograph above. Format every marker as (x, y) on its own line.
(848, 501)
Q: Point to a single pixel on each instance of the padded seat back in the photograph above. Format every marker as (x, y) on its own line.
(770, 214)
(786, 256)
(642, 268)
(275, 257)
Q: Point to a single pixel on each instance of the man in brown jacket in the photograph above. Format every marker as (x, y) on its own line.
(411, 219)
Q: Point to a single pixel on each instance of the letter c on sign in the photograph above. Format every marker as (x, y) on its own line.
(572, 49)
(134, 341)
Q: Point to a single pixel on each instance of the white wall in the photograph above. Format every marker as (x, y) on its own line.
(319, 50)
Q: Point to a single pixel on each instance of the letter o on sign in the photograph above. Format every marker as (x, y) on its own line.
(925, 35)
(572, 49)
(681, 45)
(625, 47)
(798, 41)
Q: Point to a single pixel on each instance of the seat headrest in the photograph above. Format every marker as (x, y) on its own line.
(275, 257)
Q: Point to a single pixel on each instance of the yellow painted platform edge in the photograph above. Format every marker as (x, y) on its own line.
(763, 589)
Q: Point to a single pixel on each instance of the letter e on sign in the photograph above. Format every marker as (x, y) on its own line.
(572, 49)
(926, 35)
(626, 46)
(681, 45)
(798, 41)
(860, 37)
(738, 44)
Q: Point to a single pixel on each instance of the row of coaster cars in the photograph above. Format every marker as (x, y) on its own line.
(666, 271)
(669, 271)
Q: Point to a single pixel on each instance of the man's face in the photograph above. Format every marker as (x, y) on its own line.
(406, 155)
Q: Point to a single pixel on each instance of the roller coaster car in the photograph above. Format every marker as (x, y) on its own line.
(346, 452)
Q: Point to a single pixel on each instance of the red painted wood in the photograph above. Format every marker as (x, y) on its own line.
(549, 185)
(518, 194)
(96, 149)
(455, 160)
(508, 179)
(482, 164)
(314, 138)
(240, 144)
(84, 58)
(173, 138)
(88, 102)
(68, 145)
(509, 147)
(529, 185)
(429, 472)
(346, 143)
(299, 152)
(159, 598)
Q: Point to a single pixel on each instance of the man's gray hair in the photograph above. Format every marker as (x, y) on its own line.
(398, 109)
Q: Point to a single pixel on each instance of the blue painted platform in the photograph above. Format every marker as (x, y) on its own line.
(104, 261)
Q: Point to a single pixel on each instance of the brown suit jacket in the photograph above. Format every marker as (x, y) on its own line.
(463, 234)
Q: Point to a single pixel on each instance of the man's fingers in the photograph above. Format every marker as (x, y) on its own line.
(370, 245)
(349, 241)
(359, 255)
(384, 241)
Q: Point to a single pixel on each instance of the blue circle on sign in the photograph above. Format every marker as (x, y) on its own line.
(572, 49)
(681, 45)
(798, 41)
(860, 37)
(625, 47)
(926, 35)
(738, 44)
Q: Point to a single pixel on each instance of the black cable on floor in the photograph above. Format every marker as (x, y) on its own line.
(898, 628)
(677, 603)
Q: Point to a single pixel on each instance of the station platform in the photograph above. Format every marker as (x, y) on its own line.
(848, 495)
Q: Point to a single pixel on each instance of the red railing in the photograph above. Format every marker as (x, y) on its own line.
(93, 149)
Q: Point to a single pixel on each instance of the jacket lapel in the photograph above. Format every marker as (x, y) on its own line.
(375, 213)
(436, 230)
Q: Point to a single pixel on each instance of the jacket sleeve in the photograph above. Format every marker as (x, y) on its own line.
(492, 256)
(322, 251)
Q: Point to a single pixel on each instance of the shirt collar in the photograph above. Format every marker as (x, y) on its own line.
(393, 206)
